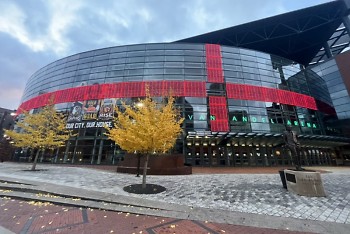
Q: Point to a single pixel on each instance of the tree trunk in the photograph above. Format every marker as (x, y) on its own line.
(35, 160)
(145, 172)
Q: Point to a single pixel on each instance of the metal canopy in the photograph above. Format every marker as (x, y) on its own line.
(262, 139)
(299, 35)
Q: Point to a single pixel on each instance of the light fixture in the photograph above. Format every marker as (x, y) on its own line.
(205, 143)
(196, 143)
(213, 144)
(139, 104)
(189, 143)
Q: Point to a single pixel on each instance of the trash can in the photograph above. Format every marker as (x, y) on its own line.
(283, 179)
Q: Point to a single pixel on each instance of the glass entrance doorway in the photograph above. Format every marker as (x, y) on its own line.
(235, 155)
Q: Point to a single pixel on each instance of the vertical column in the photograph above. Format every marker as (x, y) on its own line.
(99, 157)
(217, 104)
(327, 50)
(66, 152)
(218, 114)
(214, 63)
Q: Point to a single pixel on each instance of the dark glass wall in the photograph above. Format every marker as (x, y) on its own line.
(188, 63)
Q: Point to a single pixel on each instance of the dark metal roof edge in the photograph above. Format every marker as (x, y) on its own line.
(273, 18)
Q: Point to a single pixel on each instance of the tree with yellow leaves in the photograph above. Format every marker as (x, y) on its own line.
(147, 128)
(43, 130)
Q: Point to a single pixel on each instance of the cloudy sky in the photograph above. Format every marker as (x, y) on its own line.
(34, 33)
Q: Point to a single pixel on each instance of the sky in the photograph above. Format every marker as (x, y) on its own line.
(34, 33)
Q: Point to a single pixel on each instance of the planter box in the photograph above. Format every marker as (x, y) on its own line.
(157, 165)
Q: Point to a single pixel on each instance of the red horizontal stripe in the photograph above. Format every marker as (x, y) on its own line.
(160, 88)
(257, 93)
(117, 90)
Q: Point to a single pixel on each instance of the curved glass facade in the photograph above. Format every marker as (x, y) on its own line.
(236, 102)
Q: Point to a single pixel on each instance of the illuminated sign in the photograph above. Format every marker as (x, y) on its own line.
(90, 124)
(272, 121)
(245, 119)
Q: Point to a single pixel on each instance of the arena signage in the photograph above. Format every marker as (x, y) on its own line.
(257, 120)
(265, 120)
(89, 124)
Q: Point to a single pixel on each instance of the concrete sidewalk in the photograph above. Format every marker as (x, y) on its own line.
(252, 200)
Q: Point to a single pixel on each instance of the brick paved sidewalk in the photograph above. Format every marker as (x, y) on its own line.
(37, 217)
(213, 170)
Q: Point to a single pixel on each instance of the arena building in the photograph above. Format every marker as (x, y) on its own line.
(237, 89)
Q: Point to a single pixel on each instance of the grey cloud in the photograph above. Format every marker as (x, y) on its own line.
(106, 23)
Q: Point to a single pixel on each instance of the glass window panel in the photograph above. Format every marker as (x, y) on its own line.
(117, 61)
(117, 55)
(133, 78)
(133, 72)
(195, 100)
(115, 67)
(98, 69)
(193, 59)
(195, 78)
(153, 77)
(194, 53)
(102, 51)
(154, 52)
(174, 58)
(84, 65)
(99, 63)
(154, 65)
(173, 64)
(134, 65)
(193, 65)
(174, 52)
(83, 71)
(174, 71)
(97, 75)
(115, 73)
(154, 58)
(135, 60)
(118, 49)
(194, 71)
(155, 46)
(153, 71)
(136, 47)
(114, 79)
(101, 57)
(86, 54)
(136, 54)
